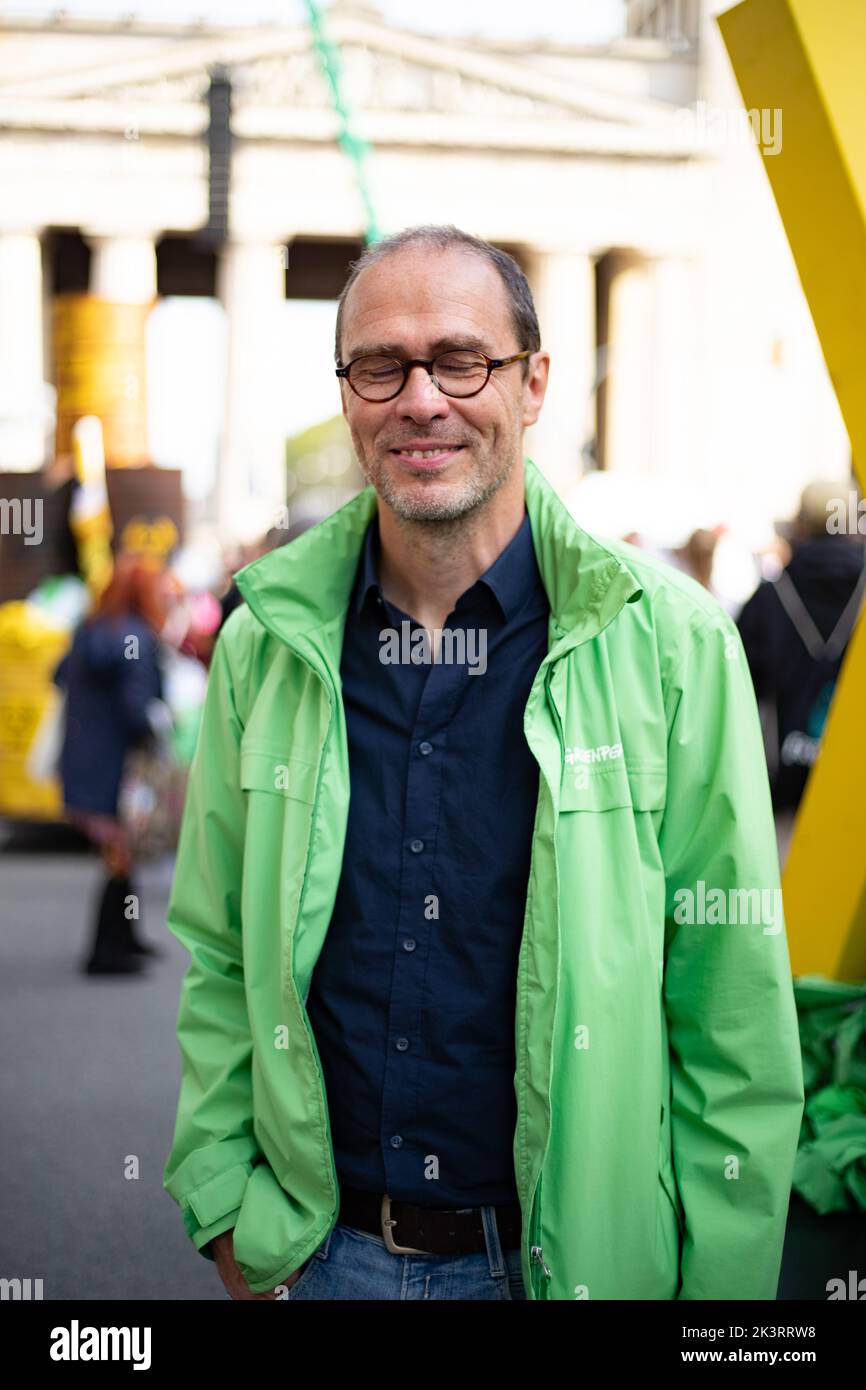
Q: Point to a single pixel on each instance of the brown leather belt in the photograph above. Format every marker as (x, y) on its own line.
(412, 1230)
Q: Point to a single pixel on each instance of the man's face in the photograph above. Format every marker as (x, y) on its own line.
(415, 303)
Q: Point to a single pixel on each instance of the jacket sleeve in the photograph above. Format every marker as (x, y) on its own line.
(736, 1069)
(214, 1147)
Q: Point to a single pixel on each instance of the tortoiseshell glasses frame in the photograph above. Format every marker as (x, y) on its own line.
(465, 368)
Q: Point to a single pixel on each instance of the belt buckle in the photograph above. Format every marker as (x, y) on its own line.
(387, 1222)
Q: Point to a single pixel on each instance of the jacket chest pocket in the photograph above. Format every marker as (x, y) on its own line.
(610, 786)
(610, 861)
(280, 791)
(281, 774)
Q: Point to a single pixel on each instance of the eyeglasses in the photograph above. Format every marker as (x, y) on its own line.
(460, 372)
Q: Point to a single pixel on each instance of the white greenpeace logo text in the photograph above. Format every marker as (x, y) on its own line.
(76, 1343)
(604, 753)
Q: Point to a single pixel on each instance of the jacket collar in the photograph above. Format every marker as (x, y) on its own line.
(300, 592)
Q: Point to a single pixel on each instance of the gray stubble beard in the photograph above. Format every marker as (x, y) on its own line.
(450, 518)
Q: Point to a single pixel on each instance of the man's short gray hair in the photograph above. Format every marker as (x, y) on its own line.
(448, 238)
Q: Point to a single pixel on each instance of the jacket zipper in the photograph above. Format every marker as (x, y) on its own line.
(313, 1046)
(331, 1158)
(538, 1268)
(552, 703)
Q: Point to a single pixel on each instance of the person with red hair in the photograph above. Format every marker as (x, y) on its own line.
(111, 675)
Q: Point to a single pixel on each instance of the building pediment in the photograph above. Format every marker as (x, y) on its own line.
(444, 89)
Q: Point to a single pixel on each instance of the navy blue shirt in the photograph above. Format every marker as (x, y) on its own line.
(413, 996)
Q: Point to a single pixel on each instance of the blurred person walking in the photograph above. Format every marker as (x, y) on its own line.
(113, 686)
(795, 630)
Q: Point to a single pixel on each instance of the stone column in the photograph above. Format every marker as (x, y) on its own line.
(563, 285)
(100, 345)
(23, 395)
(251, 475)
(628, 368)
(652, 371)
(123, 268)
(674, 361)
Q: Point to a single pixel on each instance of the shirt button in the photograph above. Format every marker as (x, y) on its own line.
(416, 846)
(402, 1044)
(425, 748)
(396, 1141)
(409, 944)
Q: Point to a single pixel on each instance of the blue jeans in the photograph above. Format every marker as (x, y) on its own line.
(353, 1264)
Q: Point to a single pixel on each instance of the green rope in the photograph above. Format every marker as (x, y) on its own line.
(351, 143)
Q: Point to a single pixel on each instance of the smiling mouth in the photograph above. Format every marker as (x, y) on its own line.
(427, 455)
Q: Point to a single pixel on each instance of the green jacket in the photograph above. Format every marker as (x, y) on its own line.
(658, 1076)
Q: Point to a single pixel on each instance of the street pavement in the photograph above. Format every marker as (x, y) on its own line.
(89, 1082)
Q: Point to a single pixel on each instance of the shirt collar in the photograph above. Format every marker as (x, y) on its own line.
(513, 574)
(368, 576)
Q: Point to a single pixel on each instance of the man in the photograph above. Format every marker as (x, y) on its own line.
(479, 1029)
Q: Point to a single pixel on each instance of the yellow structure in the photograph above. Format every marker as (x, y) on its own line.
(99, 350)
(30, 649)
(89, 513)
(807, 59)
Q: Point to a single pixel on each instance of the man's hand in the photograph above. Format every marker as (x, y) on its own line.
(222, 1248)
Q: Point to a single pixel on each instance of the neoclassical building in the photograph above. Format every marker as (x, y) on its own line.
(683, 356)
